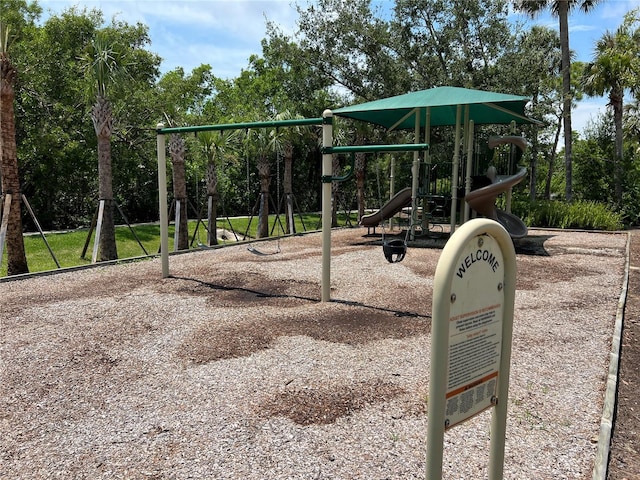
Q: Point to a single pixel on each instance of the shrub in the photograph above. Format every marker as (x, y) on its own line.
(588, 215)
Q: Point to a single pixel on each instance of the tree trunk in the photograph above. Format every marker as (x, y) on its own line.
(360, 168)
(533, 168)
(288, 189)
(212, 220)
(16, 257)
(335, 191)
(107, 239)
(212, 201)
(264, 173)
(533, 163)
(616, 99)
(102, 117)
(177, 151)
(563, 14)
(552, 161)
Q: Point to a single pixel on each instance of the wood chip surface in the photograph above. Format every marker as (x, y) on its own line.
(233, 369)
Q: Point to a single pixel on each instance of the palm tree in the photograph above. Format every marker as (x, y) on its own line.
(557, 113)
(16, 257)
(214, 145)
(263, 144)
(615, 68)
(561, 9)
(104, 67)
(177, 151)
(283, 142)
(360, 168)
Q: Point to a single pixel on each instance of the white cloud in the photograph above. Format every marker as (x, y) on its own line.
(581, 27)
(225, 62)
(222, 33)
(615, 9)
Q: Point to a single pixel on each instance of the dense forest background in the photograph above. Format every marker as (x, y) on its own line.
(349, 54)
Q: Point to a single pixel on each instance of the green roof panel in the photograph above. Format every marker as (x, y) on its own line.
(399, 112)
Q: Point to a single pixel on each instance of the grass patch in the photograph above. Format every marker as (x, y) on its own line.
(67, 246)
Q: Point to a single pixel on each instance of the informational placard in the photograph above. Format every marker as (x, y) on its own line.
(475, 330)
(472, 326)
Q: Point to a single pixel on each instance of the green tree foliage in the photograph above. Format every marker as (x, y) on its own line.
(54, 131)
(594, 164)
(57, 142)
(631, 125)
(301, 89)
(374, 53)
(342, 52)
(561, 9)
(351, 45)
(183, 97)
(532, 68)
(615, 69)
(450, 43)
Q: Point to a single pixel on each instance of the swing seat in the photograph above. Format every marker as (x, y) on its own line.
(394, 250)
(255, 251)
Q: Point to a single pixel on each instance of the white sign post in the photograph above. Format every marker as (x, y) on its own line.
(472, 324)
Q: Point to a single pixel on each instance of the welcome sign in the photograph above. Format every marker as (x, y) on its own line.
(472, 325)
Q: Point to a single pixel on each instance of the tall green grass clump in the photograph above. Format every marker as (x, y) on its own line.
(584, 215)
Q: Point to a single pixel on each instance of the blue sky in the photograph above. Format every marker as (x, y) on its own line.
(225, 33)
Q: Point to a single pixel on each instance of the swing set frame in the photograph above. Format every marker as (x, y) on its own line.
(326, 121)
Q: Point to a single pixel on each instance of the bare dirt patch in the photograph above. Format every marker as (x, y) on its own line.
(532, 272)
(229, 289)
(324, 404)
(349, 325)
(624, 460)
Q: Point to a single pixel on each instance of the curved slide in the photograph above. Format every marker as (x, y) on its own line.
(516, 140)
(483, 201)
(394, 205)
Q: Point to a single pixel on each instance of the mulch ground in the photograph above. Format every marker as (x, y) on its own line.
(624, 460)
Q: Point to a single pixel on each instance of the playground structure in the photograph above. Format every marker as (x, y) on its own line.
(480, 197)
(442, 106)
(483, 200)
(461, 108)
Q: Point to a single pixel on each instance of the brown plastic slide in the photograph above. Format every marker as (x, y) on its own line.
(483, 201)
(516, 140)
(394, 205)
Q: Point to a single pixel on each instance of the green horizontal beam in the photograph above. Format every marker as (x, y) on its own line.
(401, 147)
(242, 126)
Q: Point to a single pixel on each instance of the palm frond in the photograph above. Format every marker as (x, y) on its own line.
(104, 65)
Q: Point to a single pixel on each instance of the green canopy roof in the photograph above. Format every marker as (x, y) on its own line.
(399, 112)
